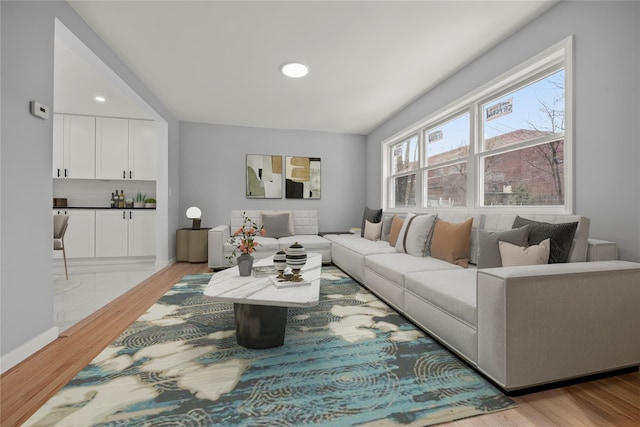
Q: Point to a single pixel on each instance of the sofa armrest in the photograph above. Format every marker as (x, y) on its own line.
(217, 236)
(601, 250)
(546, 323)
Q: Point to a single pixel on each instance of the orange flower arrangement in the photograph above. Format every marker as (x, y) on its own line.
(244, 237)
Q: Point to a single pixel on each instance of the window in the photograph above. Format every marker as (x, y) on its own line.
(404, 166)
(506, 145)
(445, 174)
(529, 124)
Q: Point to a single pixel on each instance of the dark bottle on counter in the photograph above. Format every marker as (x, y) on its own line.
(113, 201)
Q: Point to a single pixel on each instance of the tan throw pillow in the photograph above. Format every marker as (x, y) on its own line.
(396, 226)
(523, 255)
(451, 242)
(372, 230)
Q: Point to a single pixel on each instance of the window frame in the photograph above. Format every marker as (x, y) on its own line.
(549, 61)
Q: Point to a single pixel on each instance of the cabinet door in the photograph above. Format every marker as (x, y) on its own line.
(79, 239)
(112, 148)
(142, 233)
(111, 233)
(58, 146)
(142, 149)
(80, 146)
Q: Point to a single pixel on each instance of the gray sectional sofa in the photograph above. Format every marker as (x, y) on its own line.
(521, 326)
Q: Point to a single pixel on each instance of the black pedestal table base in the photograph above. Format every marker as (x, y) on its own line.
(260, 326)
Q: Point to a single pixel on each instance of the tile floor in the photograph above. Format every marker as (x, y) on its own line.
(90, 288)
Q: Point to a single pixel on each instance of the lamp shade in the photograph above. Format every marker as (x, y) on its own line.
(194, 213)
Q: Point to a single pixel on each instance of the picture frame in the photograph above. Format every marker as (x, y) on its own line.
(263, 176)
(303, 177)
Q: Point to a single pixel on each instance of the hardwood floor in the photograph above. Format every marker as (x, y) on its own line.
(613, 401)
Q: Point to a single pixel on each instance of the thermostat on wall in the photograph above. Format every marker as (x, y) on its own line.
(39, 110)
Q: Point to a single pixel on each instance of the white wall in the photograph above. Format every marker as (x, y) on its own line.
(212, 172)
(607, 109)
(27, 52)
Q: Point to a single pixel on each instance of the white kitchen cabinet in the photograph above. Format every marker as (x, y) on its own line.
(128, 232)
(79, 239)
(142, 233)
(74, 146)
(112, 148)
(142, 150)
(125, 149)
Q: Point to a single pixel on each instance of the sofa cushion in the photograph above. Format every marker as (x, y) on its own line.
(524, 255)
(276, 224)
(372, 231)
(415, 234)
(561, 236)
(360, 245)
(394, 266)
(451, 242)
(308, 241)
(452, 291)
(371, 215)
(396, 226)
(489, 252)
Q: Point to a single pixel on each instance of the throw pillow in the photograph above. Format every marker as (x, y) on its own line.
(371, 215)
(396, 226)
(561, 236)
(372, 231)
(451, 242)
(521, 255)
(386, 227)
(415, 233)
(489, 252)
(276, 224)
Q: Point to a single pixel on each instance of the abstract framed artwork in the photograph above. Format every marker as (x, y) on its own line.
(302, 177)
(264, 176)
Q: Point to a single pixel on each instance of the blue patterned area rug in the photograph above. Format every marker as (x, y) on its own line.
(349, 361)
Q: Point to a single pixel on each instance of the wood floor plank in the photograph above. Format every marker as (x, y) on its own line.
(613, 401)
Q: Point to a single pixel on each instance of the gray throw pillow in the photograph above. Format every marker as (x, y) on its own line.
(561, 236)
(371, 215)
(489, 249)
(276, 224)
(386, 227)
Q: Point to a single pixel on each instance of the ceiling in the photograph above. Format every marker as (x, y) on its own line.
(218, 62)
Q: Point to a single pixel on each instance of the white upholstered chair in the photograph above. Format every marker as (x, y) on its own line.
(60, 223)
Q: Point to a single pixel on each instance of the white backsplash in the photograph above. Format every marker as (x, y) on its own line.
(97, 193)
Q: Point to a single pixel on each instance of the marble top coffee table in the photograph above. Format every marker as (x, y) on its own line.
(260, 307)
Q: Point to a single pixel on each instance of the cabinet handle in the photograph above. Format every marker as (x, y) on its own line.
(124, 174)
(123, 215)
(130, 177)
(65, 172)
(58, 172)
(130, 215)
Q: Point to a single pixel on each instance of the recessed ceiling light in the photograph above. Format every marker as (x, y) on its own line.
(100, 98)
(294, 70)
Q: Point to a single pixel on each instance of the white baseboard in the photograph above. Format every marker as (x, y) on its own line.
(16, 356)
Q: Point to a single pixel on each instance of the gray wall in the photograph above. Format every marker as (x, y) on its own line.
(212, 172)
(607, 109)
(27, 51)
